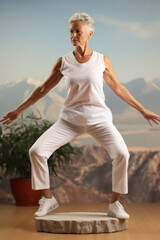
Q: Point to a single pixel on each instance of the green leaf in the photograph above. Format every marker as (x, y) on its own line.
(16, 141)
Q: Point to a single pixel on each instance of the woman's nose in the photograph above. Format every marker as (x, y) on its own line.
(74, 34)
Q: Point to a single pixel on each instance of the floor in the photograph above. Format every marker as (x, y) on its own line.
(144, 223)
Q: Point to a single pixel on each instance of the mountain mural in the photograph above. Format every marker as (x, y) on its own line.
(147, 92)
(88, 179)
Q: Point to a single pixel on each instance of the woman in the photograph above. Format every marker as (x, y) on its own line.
(84, 111)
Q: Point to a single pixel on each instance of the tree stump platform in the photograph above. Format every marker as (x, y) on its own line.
(79, 223)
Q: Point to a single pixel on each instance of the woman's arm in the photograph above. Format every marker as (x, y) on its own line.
(113, 82)
(38, 93)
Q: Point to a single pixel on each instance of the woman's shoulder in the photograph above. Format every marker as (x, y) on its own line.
(69, 54)
(105, 58)
(68, 57)
(100, 53)
(107, 62)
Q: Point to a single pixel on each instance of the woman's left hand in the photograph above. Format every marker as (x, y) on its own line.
(151, 116)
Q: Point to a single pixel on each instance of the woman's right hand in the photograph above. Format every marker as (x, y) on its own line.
(10, 116)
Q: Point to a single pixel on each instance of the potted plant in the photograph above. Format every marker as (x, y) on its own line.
(15, 142)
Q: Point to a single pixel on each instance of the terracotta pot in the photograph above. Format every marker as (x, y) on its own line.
(23, 193)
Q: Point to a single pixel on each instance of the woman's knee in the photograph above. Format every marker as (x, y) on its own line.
(124, 156)
(38, 153)
(33, 151)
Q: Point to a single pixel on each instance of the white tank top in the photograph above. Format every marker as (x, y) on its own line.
(85, 102)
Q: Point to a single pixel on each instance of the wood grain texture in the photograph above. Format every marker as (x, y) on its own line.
(18, 223)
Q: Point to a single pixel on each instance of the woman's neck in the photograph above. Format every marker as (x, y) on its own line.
(82, 51)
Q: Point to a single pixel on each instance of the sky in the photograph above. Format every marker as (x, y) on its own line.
(34, 33)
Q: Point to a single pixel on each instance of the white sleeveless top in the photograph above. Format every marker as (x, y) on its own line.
(85, 102)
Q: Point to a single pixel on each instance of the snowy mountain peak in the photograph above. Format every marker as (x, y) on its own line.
(12, 94)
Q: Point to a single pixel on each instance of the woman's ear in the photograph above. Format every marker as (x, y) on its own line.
(90, 34)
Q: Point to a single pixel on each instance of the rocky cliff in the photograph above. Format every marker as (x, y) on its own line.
(88, 178)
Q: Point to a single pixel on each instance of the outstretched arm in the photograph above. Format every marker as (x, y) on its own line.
(51, 81)
(121, 91)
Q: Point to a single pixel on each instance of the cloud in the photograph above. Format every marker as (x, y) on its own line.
(134, 28)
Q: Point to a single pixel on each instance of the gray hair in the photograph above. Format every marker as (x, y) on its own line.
(90, 24)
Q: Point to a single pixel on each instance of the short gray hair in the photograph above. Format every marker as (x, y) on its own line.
(90, 24)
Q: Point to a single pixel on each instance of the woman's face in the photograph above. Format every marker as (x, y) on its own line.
(78, 33)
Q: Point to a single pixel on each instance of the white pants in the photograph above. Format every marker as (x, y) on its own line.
(62, 132)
